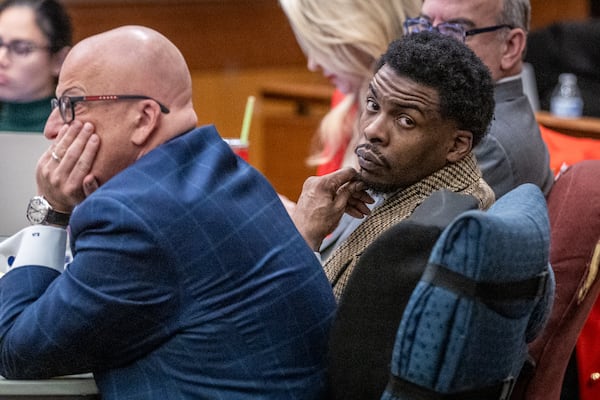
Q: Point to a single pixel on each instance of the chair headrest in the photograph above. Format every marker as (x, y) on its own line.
(449, 342)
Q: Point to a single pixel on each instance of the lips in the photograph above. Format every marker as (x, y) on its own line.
(368, 160)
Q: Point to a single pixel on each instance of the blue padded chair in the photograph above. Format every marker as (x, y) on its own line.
(486, 292)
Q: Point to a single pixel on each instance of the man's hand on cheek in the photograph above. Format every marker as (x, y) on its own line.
(64, 171)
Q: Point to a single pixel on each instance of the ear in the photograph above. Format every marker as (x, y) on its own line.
(146, 121)
(462, 143)
(58, 59)
(514, 48)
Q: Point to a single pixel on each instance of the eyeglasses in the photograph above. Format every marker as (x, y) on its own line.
(66, 104)
(21, 48)
(457, 31)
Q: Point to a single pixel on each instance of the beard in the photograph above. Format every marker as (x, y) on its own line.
(376, 187)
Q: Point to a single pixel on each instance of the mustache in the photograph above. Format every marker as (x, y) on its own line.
(364, 148)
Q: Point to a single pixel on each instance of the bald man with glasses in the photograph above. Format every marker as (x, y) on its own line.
(513, 152)
(188, 279)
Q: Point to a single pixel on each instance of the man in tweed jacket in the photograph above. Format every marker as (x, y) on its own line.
(429, 102)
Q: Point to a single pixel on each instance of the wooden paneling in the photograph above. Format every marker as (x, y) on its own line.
(286, 145)
(221, 99)
(545, 12)
(239, 33)
(287, 135)
(223, 35)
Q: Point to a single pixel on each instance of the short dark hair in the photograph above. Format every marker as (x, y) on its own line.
(51, 17)
(463, 82)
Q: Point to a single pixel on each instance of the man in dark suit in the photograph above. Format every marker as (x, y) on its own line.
(188, 278)
(513, 152)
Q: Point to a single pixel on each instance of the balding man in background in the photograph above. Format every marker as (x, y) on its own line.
(513, 152)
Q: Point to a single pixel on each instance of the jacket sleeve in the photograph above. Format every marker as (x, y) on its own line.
(111, 305)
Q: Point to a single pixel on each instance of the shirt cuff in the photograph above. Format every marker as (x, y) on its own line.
(39, 245)
(318, 255)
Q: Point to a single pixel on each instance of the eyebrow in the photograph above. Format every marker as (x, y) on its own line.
(18, 39)
(399, 105)
(459, 21)
(71, 91)
(372, 90)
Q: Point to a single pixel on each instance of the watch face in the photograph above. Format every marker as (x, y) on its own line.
(37, 210)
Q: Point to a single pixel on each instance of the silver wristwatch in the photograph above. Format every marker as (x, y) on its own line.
(39, 211)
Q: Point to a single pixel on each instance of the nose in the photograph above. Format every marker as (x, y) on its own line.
(376, 130)
(4, 58)
(436, 21)
(53, 125)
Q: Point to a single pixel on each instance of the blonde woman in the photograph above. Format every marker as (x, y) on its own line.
(343, 39)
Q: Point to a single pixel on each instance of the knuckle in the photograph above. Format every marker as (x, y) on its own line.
(82, 165)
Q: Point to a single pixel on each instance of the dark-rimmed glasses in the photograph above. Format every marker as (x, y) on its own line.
(457, 31)
(21, 48)
(66, 104)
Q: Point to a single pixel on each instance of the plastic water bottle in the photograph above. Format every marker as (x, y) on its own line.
(566, 98)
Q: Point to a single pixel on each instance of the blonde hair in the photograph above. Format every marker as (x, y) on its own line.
(348, 37)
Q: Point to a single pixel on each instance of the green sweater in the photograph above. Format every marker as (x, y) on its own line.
(25, 117)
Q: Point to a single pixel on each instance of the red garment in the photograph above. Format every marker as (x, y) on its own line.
(588, 356)
(336, 161)
(568, 150)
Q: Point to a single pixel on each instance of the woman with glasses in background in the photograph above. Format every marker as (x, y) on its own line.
(35, 36)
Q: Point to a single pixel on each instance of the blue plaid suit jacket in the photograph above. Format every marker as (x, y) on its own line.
(189, 281)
